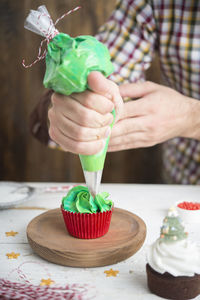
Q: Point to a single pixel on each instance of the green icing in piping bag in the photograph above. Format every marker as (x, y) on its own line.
(68, 64)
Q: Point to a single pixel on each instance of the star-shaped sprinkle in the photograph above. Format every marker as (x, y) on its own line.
(46, 282)
(111, 272)
(11, 233)
(12, 255)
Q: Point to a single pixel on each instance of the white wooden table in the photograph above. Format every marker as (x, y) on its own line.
(150, 202)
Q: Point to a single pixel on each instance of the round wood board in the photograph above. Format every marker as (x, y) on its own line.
(48, 237)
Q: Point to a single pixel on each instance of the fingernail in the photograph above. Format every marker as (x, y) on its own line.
(108, 132)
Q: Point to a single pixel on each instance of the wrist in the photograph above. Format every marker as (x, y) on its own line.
(192, 129)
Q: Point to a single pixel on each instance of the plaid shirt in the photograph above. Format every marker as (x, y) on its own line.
(138, 28)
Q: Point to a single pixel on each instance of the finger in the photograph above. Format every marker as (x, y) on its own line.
(126, 139)
(137, 141)
(94, 101)
(68, 144)
(136, 108)
(139, 89)
(101, 85)
(80, 133)
(126, 126)
(78, 113)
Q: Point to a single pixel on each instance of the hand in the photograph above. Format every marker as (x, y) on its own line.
(159, 114)
(80, 123)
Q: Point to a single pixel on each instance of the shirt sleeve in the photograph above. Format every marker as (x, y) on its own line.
(130, 35)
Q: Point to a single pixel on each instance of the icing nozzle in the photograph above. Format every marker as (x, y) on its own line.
(93, 180)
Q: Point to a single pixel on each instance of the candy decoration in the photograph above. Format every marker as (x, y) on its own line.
(172, 229)
(12, 255)
(189, 205)
(111, 273)
(46, 282)
(11, 233)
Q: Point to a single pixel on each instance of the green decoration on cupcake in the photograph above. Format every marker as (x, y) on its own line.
(68, 64)
(79, 200)
(172, 229)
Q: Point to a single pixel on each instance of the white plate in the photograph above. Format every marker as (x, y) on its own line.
(12, 194)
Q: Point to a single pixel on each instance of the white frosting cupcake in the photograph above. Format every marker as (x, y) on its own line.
(180, 258)
(173, 252)
(173, 268)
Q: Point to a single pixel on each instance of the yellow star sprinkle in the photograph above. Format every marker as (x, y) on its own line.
(46, 282)
(12, 255)
(11, 233)
(111, 272)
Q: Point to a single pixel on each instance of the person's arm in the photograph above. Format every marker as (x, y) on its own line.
(131, 37)
(159, 114)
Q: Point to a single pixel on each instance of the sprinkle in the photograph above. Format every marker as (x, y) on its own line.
(12, 255)
(46, 282)
(111, 272)
(162, 236)
(189, 205)
(165, 229)
(11, 233)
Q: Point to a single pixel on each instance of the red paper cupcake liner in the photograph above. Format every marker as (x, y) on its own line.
(87, 226)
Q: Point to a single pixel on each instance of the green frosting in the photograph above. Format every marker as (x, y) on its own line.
(80, 200)
(70, 60)
(68, 64)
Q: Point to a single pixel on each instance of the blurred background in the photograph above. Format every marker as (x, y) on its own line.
(22, 158)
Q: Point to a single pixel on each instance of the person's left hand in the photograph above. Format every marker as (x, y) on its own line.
(159, 114)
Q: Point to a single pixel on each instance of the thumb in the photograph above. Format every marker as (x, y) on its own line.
(107, 88)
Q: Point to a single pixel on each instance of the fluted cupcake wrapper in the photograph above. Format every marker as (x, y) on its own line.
(87, 226)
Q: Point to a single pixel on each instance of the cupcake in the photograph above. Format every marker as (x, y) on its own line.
(173, 268)
(85, 216)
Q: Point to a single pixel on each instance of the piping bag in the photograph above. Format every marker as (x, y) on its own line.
(68, 63)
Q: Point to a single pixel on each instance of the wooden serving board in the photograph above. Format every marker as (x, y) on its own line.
(48, 237)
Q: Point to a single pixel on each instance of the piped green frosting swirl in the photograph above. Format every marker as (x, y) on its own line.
(80, 200)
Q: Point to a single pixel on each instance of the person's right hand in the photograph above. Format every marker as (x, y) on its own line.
(80, 123)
